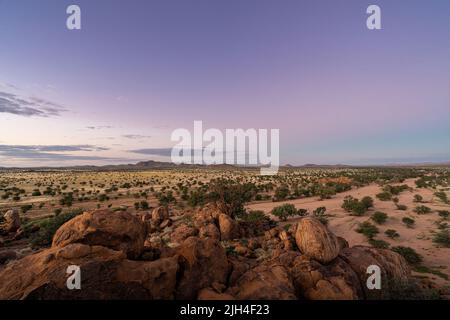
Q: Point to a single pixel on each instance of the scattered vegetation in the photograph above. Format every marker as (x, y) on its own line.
(379, 217)
(368, 229)
(410, 255)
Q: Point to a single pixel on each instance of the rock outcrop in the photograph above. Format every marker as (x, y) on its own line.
(264, 282)
(105, 274)
(316, 241)
(159, 214)
(115, 230)
(204, 262)
(195, 259)
(229, 228)
(12, 221)
(393, 267)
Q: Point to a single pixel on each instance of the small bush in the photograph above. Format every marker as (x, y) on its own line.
(367, 202)
(254, 216)
(48, 227)
(284, 211)
(380, 244)
(442, 238)
(409, 222)
(26, 207)
(418, 198)
(442, 196)
(391, 233)
(368, 229)
(444, 214)
(384, 196)
(422, 210)
(379, 217)
(410, 255)
(320, 214)
(357, 207)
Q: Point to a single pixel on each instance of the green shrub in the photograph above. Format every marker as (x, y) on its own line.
(442, 196)
(254, 216)
(281, 192)
(320, 214)
(442, 238)
(380, 244)
(368, 229)
(395, 190)
(357, 207)
(409, 222)
(444, 214)
(422, 210)
(48, 227)
(391, 233)
(418, 198)
(228, 195)
(144, 205)
(26, 208)
(379, 217)
(384, 196)
(284, 211)
(410, 255)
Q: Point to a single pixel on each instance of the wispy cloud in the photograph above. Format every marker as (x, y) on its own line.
(28, 107)
(166, 152)
(99, 127)
(50, 152)
(135, 136)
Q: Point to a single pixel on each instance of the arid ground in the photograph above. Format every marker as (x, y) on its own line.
(404, 209)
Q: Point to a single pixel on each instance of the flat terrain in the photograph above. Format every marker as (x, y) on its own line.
(344, 225)
(40, 195)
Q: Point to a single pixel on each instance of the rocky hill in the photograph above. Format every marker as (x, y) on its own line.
(201, 255)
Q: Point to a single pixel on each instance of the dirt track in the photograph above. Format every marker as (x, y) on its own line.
(344, 225)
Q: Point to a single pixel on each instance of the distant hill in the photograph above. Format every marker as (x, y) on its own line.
(161, 165)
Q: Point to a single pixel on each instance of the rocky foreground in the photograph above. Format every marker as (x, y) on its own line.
(205, 255)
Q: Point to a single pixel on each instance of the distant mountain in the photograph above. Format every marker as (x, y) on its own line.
(160, 165)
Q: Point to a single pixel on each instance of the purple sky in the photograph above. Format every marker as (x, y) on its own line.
(338, 92)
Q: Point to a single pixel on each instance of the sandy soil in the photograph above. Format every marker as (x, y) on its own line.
(419, 237)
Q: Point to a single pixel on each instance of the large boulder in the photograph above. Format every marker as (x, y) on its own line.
(105, 274)
(209, 231)
(159, 214)
(335, 281)
(116, 230)
(394, 268)
(203, 263)
(229, 228)
(264, 282)
(12, 221)
(182, 232)
(316, 241)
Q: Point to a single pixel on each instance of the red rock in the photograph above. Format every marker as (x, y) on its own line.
(203, 262)
(316, 241)
(116, 230)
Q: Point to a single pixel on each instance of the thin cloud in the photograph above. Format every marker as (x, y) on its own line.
(51, 152)
(135, 136)
(166, 152)
(28, 107)
(99, 127)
